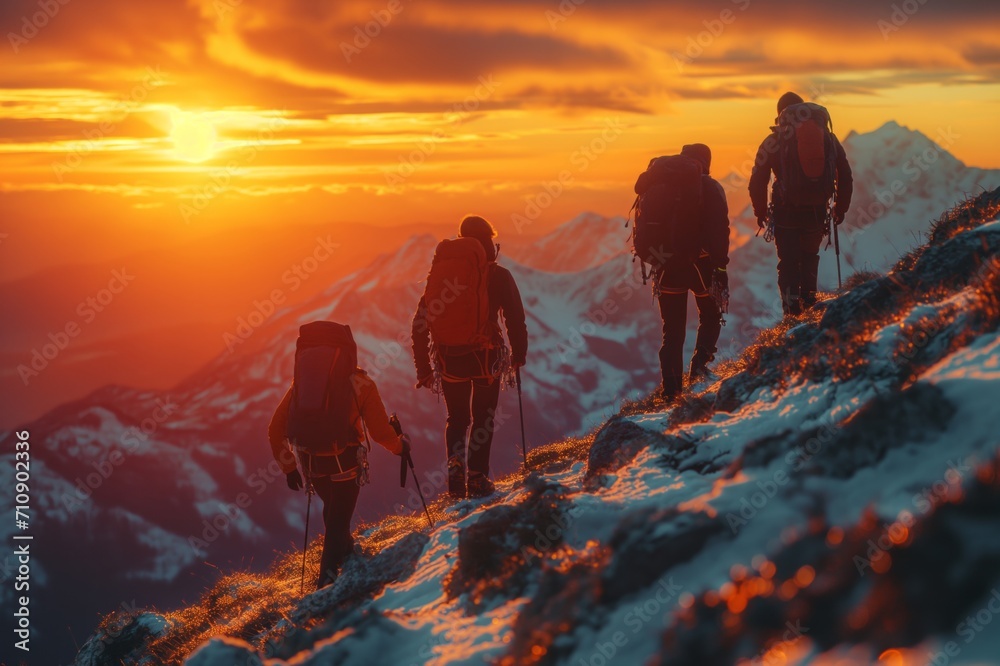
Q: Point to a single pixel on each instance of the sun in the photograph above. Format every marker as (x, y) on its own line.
(193, 135)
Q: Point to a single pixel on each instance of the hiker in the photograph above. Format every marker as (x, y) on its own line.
(682, 230)
(810, 167)
(457, 323)
(325, 421)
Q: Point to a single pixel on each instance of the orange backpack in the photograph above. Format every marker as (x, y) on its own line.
(808, 154)
(457, 295)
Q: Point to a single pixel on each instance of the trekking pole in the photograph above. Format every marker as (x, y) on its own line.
(407, 460)
(305, 537)
(836, 249)
(520, 411)
(416, 482)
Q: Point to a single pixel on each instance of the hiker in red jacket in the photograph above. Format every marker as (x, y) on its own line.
(457, 322)
(799, 215)
(337, 479)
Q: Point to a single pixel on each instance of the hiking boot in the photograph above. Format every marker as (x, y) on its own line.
(456, 478)
(671, 387)
(699, 364)
(480, 485)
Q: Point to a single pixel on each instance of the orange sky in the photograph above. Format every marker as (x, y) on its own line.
(168, 118)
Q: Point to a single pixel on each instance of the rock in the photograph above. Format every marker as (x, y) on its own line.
(617, 444)
(122, 638)
(494, 551)
(225, 652)
(648, 543)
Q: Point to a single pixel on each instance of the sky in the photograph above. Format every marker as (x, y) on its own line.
(124, 127)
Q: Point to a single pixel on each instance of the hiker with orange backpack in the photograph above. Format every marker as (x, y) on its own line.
(810, 170)
(324, 425)
(459, 349)
(682, 231)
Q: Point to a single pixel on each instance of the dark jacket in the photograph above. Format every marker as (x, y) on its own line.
(714, 221)
(768, 161)
(504, 299)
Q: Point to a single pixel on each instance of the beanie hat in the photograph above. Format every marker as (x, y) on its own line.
(474, 226)
(477, 227)
(787, 100)
(700, 152)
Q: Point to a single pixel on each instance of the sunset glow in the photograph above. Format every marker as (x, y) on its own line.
(437, 110)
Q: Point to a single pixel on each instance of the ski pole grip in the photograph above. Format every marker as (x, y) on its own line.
(396, 425)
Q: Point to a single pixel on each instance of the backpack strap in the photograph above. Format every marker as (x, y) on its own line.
(361, 415)
(362, 474)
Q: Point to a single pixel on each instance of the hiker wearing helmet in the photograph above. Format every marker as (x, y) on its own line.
(810, 168)
(682, 231)
(458, 346)
(324, 425)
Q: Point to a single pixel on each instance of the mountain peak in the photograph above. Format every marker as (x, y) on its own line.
(586, 241)
(892, 126)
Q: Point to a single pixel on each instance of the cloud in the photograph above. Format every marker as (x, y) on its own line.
(351, 106)
(982, 54)
(421, 53)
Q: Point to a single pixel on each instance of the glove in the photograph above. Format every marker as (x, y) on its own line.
(761, 221)
(427, 381)
(405, 440)
(720, 279)
(294, 480)
(838, 217)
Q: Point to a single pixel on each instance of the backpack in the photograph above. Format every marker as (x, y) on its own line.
(457, 294)
(668, 213)
(808, 153)
(319, 414)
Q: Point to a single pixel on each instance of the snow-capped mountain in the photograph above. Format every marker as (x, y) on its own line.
(832, 497)
(586, 241)
(146, 485)
(903, 180)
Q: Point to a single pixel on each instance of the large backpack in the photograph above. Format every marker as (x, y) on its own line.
(668, 212)
(808, 155)
(319, 415)
(457, 294)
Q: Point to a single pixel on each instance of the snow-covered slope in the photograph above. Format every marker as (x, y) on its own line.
(833, 497)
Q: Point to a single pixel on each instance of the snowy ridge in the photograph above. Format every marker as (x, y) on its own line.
(831, 497)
